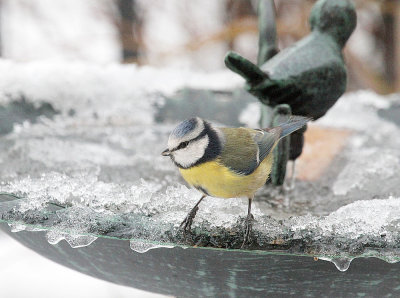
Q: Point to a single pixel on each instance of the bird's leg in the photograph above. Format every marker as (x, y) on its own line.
(248, 223)
(187, 222)
(288, 185)
(291, 182)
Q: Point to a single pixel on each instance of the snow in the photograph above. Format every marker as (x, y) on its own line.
(89, 88)
(373, 159)
(251, 115)
(378, 164)
(361, 218)
(357, 111)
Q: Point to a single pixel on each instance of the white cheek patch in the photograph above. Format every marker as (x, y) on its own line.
(192, 153)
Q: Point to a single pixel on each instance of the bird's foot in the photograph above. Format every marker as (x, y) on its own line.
(187, 222)
(248, 228)
(289, 185)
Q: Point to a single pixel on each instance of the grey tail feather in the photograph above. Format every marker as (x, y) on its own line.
(294, 123)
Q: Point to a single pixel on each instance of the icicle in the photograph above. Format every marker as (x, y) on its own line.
(142, 247)
(17, 227)
(75, 241)
(342, 264)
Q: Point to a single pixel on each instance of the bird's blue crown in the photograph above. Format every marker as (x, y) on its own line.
(184, 128)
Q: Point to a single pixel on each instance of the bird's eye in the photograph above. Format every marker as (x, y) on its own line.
(183, 145)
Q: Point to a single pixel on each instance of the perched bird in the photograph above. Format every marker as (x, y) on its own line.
(225, 162)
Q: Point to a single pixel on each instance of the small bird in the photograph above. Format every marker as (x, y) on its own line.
(225, 162)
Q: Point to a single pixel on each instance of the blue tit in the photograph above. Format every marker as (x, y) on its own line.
(225, 162)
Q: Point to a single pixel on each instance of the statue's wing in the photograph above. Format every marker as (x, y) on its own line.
(244, 67)
(271, 92)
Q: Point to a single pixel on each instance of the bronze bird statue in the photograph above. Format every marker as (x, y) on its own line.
(308, 76)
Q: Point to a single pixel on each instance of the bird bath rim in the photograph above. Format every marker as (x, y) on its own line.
(151, 244)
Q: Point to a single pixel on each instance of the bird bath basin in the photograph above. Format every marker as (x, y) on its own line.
(91, 191)
(209, 272)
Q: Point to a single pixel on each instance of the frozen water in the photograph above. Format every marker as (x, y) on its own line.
(75, 241)
(95, 168)
(342, 264)
(17, 227)
(142, 247)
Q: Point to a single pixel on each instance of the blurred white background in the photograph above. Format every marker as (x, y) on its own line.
(23, 273)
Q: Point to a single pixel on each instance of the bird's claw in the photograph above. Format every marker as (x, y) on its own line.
(249, 226)
(187, 222)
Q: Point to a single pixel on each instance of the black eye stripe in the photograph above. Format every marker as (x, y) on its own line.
(186, 143)
(183, 145)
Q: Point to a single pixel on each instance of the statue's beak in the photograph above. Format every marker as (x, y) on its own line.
(166, 152)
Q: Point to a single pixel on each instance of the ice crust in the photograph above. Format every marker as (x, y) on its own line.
(149, 212)
(95, 170)
(142, 247)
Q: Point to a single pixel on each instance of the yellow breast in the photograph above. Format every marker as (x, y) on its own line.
(219, 181)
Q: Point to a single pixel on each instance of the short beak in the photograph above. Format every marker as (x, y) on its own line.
(166, 152)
